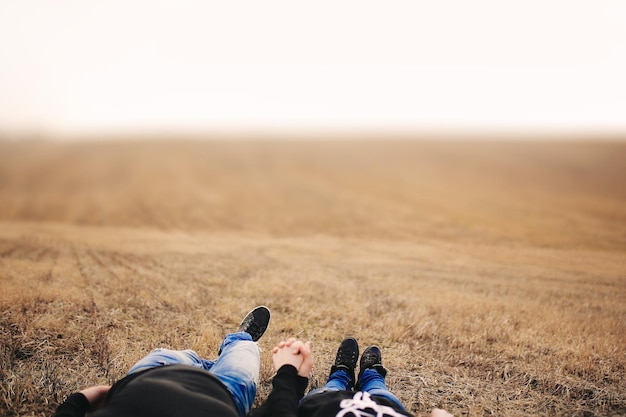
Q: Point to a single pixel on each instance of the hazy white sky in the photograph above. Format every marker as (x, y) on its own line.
(90, 65)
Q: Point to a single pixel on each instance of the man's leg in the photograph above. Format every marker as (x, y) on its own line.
(161, 357)
(239, 360)
(238, 368)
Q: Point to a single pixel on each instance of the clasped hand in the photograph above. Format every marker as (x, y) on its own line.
(296, 353)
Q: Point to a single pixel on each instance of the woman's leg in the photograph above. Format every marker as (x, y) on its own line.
(337, 381)
(372, 382)
(342, 372)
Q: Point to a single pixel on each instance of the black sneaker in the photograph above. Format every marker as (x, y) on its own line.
(346, 358)
(255, 323)
(371, 359)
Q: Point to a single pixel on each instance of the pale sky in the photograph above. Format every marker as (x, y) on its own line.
(91, 66)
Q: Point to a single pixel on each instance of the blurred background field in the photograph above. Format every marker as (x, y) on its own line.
(492, 274)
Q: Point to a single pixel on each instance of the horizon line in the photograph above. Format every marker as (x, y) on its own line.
(318, 133)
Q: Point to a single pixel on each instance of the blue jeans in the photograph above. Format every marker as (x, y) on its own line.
(237, 366)
(371, 382)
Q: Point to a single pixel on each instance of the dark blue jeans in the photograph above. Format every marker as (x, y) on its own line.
(371, 382)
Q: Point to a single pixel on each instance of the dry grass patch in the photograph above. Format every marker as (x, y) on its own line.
(492, 275)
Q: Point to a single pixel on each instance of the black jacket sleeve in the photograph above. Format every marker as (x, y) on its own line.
(76, 405)
(287, 389)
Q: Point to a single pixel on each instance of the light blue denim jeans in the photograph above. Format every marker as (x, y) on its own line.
(237, 366)
(371, 382)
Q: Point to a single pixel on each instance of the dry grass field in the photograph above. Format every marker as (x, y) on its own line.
(492, 274)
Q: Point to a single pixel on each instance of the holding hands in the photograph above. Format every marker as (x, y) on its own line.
(296, 353)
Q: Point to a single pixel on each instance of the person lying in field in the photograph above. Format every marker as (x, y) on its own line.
(171, 383)
(180, 383)
(342, 396)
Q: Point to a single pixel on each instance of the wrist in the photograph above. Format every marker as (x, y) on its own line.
(287, 368)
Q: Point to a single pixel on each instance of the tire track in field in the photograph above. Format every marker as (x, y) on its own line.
(8, 253)
(132, 270)
(80, 265)
(95, 276)
(29, 249)
(133, 279)
(51, 247)
(4, 252)
(154, 264)
(47, 254)
(90, 259)
(52, 256)
(142, 265)
(39, 253)
(4, 242)
(147, 212)
(109, 268)
(100, 259)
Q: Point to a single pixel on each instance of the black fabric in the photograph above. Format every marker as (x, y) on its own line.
(165, 391)
(75, 405)
(287, 389)
(328, 404)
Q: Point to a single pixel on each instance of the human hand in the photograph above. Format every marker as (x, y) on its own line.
(307, 360)
(437, 412)
(299, 348)
(96, 396)
(286, 354)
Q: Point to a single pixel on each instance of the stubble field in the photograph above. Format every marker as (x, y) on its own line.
(492, 274)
